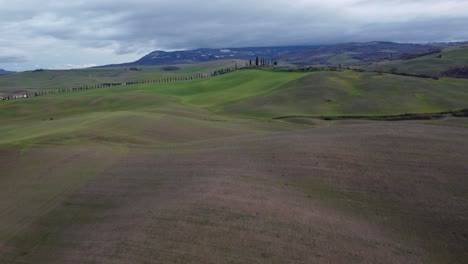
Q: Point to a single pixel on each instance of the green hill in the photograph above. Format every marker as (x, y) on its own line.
(431, 65)
(266, 94)
(350, 93)
(56, 79)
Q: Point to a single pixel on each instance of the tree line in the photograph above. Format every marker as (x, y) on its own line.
(261, 62)
(169, 79)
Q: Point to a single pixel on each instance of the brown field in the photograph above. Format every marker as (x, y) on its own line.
(353, 192)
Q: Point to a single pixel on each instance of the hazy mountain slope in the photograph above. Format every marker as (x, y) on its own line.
(2, 71)
(204, 55)
(346, 53)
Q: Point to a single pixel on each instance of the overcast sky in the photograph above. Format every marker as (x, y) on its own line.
(80, 33)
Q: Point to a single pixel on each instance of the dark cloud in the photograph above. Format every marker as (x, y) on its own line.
(104, 31)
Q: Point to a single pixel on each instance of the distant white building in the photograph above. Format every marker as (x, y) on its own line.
(20, 96)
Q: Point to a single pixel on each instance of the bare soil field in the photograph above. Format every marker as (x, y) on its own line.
(363, 192)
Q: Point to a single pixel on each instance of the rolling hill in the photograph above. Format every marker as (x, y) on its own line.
(270, 94)
(56, 79)
(350, 93)
(432, 65)
(201, 172)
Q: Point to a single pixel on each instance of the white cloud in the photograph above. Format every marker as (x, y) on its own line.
(56, 33)
(72, 66)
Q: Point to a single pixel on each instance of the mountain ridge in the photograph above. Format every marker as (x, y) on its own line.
(342, 53)
(2, 71)
(159, 57)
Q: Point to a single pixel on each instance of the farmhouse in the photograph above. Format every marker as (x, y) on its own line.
(20, 96)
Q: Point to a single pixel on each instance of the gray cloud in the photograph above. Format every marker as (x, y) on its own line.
(12, 59)
(60, 33)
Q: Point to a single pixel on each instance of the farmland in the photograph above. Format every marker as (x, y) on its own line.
(202, 171)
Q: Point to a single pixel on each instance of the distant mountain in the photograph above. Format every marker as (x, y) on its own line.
(2, 71)
(351, 53)
(347, 53)
(204, 55)
(448, 44)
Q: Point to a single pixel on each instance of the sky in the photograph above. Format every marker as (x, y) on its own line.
(53, 34)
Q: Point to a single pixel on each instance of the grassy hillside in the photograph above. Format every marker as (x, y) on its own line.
(211, 94)
(350, 93)
(431, 65)
(266, 94)
(214, 94)
(55, 79)
(79, 115)
(199, 172)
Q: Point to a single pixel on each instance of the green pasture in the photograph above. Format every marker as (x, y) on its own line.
(56, 79)
(351, 93)
(243, 101)
(258, 93)
(431, 65)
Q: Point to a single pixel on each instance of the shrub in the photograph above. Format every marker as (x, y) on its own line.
(457, 72)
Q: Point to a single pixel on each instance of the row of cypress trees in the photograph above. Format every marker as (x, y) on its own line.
(262, 62)
(170, 79)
